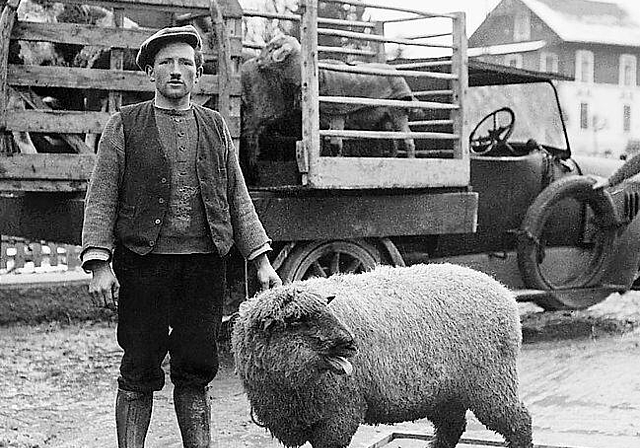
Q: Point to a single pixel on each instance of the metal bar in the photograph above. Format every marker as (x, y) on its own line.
(430, 122)
(271, 15)
(420, 93)
(390, 103)
(340, 50)
(387, 135)
(330, 21)
(425, 64)
(376, 38)
(428, 36)
(383, 72)
(388, 8)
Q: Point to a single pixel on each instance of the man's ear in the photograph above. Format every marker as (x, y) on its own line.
(199, 72)
(148, 69)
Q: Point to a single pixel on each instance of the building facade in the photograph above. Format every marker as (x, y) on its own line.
(596, 43)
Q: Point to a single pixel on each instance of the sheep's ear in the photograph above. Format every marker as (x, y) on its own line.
(330, 299)
(267, 323)
(281, 53)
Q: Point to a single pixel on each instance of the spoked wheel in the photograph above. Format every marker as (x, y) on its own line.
(556, 251)
(325, 258)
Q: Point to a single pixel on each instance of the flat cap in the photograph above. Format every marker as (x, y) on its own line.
(150, 47)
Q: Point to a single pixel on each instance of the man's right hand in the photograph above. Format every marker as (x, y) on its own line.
(104, 286)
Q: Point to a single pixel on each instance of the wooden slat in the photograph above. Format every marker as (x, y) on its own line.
(56, 121)
(72, 140)
(388, 135)
(231, 7)
(93, 78)
(271, 15)
(459, 64)
(379, 172)
(108, 37)
(390, 103)
(383, 72)
(80, 34)
(425, 64)
(116, 62)
(308, 152)
(7, 18)
(341, 50)
(70, 167)
(430, 122)
(43, 186)
(360, 4)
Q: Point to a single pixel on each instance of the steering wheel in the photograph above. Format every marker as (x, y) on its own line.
(496, 136)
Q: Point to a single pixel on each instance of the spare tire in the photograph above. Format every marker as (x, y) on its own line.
(573, 261)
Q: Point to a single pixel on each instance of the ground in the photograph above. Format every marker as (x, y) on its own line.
(579, 375)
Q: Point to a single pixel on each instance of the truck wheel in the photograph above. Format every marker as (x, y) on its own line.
(568, 262)
(325, 258)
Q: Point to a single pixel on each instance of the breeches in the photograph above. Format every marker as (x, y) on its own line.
(168, 304)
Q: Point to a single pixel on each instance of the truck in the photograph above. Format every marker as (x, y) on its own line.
(484, 177)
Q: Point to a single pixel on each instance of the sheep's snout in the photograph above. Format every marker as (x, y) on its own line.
(337, 357)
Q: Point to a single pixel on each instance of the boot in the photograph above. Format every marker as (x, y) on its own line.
(194, 416)
(133, 414)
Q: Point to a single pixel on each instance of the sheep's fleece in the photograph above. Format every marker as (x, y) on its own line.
(392, 345)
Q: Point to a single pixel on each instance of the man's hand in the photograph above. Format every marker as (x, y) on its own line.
(601, 182)
(266, 275)
(104, 286)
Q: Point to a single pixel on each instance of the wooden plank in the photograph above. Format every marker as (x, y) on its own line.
(57, 121)
(33, 100)
(108, 37)
(103, 79)
(378, 172)
(7, 19)
(459, 85)
(338, 214)
(69, 167)
(231, 7)
(42, 186)
(223, 47)
(81, 34)
(310, 147)
(361, 4)
(116, 62)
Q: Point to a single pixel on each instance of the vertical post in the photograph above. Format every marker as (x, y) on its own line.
(459, 86)
(7, 18)
(117, 62)
(310, 88)
(224, 60)
(381, 52)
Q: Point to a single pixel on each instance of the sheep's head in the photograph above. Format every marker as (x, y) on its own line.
(291, 335)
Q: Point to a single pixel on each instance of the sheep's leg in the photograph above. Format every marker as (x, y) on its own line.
(336, 123)
(506, 416)
(400, 119)
(450, 422)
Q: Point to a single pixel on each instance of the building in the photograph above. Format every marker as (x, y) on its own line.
(595, 42)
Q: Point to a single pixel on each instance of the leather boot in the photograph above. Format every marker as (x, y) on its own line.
(194, 416)
(133, 414)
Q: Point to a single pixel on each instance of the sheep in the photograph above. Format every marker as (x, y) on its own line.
(271, 89)
(394, 344)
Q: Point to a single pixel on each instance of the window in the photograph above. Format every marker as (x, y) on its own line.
(627, 70)
(626, 118)
(548, 62)
(584, 66)
(584, 116)
(522, 26)
(513, 60)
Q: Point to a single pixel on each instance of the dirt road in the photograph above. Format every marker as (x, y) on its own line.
(580, 376)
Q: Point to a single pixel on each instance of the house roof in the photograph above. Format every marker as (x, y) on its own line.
(589, 21)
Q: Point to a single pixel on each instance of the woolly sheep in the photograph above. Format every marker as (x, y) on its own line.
(432, 341)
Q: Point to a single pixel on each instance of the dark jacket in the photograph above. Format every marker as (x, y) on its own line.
(132, 215)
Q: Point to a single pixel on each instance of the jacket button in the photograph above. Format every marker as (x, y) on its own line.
(161, 200)
(157, 221)
(152, 243)
(163, 180)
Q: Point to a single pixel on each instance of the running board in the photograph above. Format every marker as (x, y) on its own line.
(398, 437)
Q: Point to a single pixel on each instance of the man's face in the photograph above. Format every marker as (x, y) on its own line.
(174, 73)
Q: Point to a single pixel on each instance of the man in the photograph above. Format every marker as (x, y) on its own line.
(166, 201)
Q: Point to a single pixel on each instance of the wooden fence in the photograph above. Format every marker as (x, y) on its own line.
(15, 253)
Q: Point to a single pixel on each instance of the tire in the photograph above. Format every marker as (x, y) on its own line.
(579, 264)
(325, 258)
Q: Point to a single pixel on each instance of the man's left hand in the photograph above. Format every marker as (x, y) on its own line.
(267, 276)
